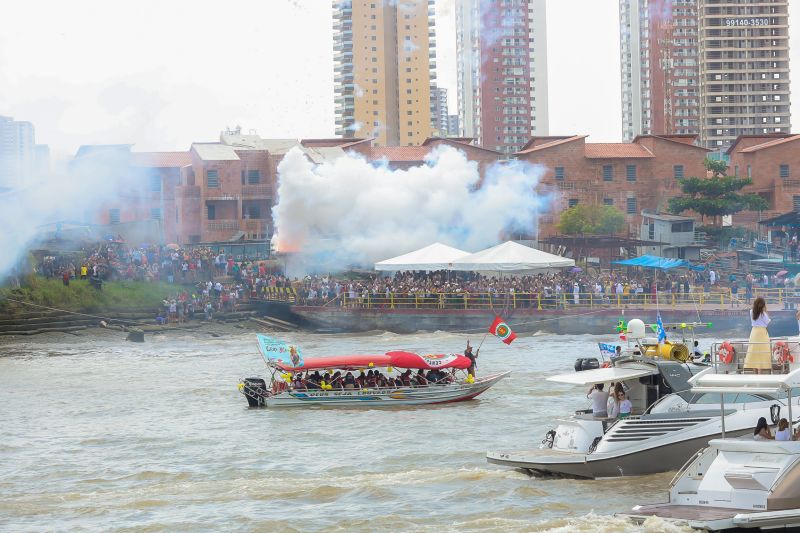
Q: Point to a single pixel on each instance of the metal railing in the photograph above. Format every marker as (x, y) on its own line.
(782, 353)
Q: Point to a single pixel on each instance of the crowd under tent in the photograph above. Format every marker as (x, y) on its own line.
(436, 256)
(511, 257)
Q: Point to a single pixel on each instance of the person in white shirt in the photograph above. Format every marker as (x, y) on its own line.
(625, 405)
(784, 432)
(599, 399)
(712, 277)
(762, 432)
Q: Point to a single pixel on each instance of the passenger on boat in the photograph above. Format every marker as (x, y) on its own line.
(371, 379)
(697, 353)
(350, 381)
(312, 381)
(759, 352)
(336, 380)
(599, 399)
(625, 405)
(405, 378)
(421, 381)
(297, 382)
(469, 355)
(784, 431)
(361, 380)
(762, 432)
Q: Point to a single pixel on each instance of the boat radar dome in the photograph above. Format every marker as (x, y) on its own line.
(636, 329)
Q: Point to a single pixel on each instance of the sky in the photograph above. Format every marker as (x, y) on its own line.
(161, 75)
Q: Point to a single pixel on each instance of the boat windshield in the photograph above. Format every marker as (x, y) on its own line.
(712, 398)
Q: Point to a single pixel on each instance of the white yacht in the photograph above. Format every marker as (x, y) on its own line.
(736, 483)
(669, 421)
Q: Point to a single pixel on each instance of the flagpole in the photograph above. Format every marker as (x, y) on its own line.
(481, 344)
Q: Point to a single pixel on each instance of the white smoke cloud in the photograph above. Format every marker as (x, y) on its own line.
(351, 212)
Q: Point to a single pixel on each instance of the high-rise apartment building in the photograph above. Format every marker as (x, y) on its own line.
(659, 59)
(501, 48)
(744, 65)
(384, 66)
(439, 116)
(17, 152)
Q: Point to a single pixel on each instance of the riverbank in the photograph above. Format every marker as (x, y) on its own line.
(80, 296)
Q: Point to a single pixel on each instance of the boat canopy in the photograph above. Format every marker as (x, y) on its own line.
(602, 375)
(708, 381)
(399, 359)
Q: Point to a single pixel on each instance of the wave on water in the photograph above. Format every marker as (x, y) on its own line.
(594, 523)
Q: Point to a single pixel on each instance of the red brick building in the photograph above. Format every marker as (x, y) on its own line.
(773, 162)
(404, 157)
(630, 176)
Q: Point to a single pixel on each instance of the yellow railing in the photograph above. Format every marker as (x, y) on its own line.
(527, 300)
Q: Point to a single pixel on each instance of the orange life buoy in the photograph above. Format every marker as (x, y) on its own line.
(781, 353)
(726, 352)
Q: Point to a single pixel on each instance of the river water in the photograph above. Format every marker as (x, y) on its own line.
(100, 434)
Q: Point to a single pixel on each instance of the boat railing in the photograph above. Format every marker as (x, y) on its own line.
(730, 357)
(431, 386)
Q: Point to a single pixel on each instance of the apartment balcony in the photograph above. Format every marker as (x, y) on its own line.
(222, 225)
(215, 195)
(257, 192)
(253, 225)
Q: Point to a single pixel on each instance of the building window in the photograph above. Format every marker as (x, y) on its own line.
(559, 173)
(796, 203)
(155, 213)
(683, 227)
(253, 177)
(631, 206)
(630, 172)
(677, 170)
(155, 183)
(736, 171)
(573, 202)
(113, 216)
(784, 171)
(243, 182)
(211, 212)
(608, 201)
(253, 211)
(608, 173)
(651, 231)
(749, 171)
(212, 179)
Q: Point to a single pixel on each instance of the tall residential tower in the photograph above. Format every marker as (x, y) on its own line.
(659, 59)
(501, 48)
(384, 66)
(744, 65)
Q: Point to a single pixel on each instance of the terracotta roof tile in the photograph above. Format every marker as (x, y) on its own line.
(160, 159)
(770, 144)
(616, 151)
(549, 143)
(397, 153)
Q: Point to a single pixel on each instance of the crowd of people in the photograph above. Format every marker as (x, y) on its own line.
(372, 379)
(546, 290)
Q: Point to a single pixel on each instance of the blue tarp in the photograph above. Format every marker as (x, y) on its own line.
(662, 263)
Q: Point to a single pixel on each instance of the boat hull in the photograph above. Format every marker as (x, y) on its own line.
(660, 458)
(433, 394)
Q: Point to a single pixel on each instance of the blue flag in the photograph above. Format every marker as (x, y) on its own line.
(607, 350)
(278, 352)
(662, 335)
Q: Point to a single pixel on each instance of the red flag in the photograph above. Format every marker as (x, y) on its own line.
(502, 331)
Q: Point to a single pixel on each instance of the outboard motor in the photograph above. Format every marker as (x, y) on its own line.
(586, 363)
(255, 390)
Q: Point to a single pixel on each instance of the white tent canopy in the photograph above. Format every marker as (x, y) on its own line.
(436, 256)
(511, 257)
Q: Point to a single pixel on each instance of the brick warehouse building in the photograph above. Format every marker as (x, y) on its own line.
(630, 176)
(773, 162)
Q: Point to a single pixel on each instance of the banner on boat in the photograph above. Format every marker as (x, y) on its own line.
(275, 351)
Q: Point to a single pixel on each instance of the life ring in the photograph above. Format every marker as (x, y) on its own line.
(781, 353)
(726, 352)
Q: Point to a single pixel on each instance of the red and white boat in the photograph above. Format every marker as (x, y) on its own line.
(291, 380)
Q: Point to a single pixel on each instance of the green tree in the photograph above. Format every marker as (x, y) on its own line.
(716, 196)
(591, 219)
